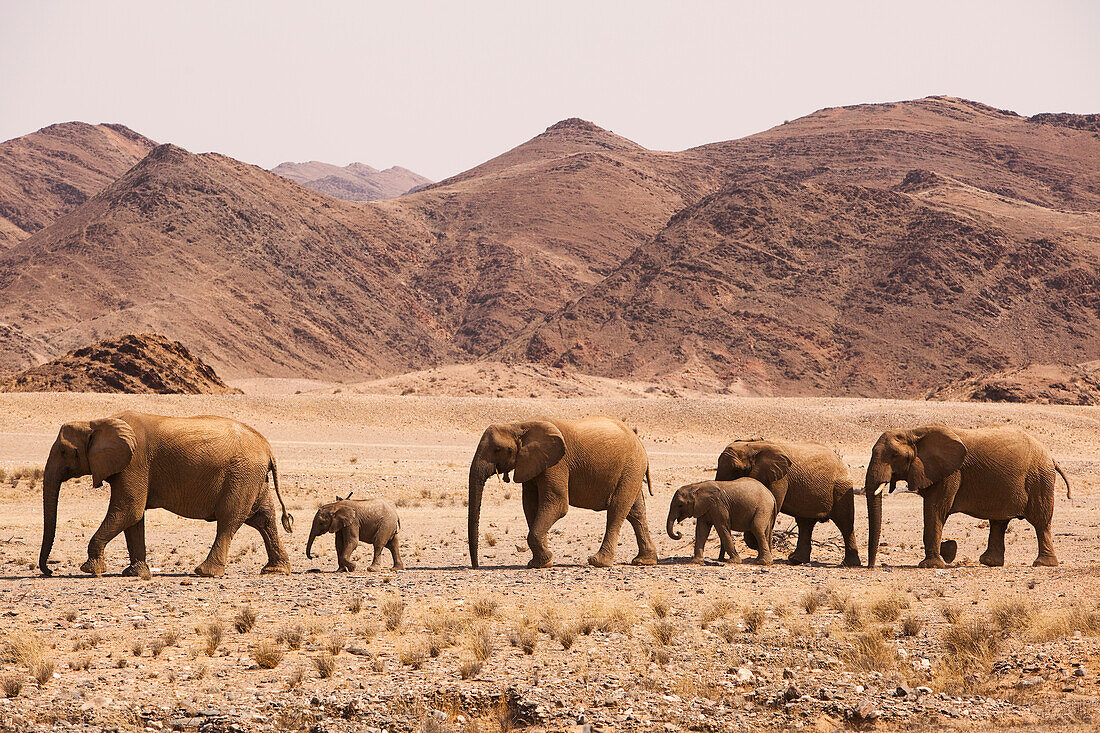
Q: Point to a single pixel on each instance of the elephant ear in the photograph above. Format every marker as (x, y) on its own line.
(939, 453)
(541, 445)
(111, 446)
(770, 465)
(342, 518)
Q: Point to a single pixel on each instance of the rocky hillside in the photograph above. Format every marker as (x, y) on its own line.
(1047, 384)
(51, 172)
(133, 364)
(354, 182)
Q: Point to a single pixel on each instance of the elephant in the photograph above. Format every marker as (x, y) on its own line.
(370, 520)
(742, 505)
(205, 467)
(596, 463)
(996, 473)
(810, 483)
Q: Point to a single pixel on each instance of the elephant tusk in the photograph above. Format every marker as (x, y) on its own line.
(880, 489)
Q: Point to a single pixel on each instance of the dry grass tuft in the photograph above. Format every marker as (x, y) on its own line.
(355, 605)
(296, 678)
(614, 618)
(854, 619)
(366, 632)
(215, 630)
(244, 620)
(660, 604)
(22, 648)
(714, 611)
(869, 652)
(1012, 615)
(566, 635)
(70, 615)
(970, 643)
(1066, 622)
(484, 605)
(951, 612)
(91, 641)
(335, 643)
(888, 608)
(525, 637)
(42, 671)
(911, 625)
(414, 654)
(325, 664)
(393, 613)
(469, 669)
(753, 619)
(727, 631)
(12, 685)
(81, 663)
(481, 642)
(137, 647)
(170, 637)
(662, 631)
(267, 654)
(812, 600)
(291, 636)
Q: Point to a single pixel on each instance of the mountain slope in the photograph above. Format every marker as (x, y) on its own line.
(51, 172)
(354, 182)
(1047, 384)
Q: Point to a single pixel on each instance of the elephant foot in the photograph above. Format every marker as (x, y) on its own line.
(732, 560)
(281, 568)
(601, 561)
(210, 570)
(399, 566)
(344, 569)
(851, 560)
(948, 550)
(697, 561)
(540, 562)
(932, 562)
(645, 559)
(1047, 561)
(798, 558)
(991, 560)
(760, 561)
(138, 570)
(374, 569)
(94, 566)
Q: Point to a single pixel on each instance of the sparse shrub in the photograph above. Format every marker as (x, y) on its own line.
(267, 654)
(214, 633)
(854, 620)
(1012, 615)
(888, 608)
(296, 677)
(334, 644)
(170, 637)
(42, 671)
(83, 662)
(660, 604)
(727, 631)
(753, 618)
(393, 612)
(367, 632)
(244, 620)
(662, 631)
(484, 605)
(951, 612)
(567, 634)
(70, 615)
(414, 655)
(714, 611)
(137, 648)
(811, 600)
(325, 664)
(911, 625)
(490, 539)
(469, 669)
(12, 685)
(355, 605)
(869, 652)
(525, 637)
(660, 655)
(291, 636)
(481, 642)
(969, 643)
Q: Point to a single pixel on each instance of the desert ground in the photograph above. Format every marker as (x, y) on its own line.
(441, 646)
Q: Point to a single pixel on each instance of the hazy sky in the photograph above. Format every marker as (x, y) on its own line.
(440, 87)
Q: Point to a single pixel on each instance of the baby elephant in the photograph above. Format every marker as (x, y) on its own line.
(743, 505)
(371, 520)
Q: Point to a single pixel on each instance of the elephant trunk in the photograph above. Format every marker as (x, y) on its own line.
(877, 474)
(51, 488)
(480, 470)
(313, 532)
(670, 525)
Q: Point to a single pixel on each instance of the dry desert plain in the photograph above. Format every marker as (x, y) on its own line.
(443, 647)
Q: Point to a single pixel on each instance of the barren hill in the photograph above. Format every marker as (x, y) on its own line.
(134, 364)
(354, 182)
(51, 172)
(1049, 384)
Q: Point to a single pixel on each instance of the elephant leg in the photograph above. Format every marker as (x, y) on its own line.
(844, 517)
(214, 564)
(395, 553)
(647, 553)
(135, 547)
(1046, 547)
(801, 552)
(376, 561)
(934, 518)
(616, 514)
(264, 521)
(1039, 513)
(760, 530)
(545, 517)
(702, 534)
(726, 538)
(121, 514)
(994, 555)
(346, 542)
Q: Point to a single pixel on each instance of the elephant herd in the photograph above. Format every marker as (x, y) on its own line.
(216, 469)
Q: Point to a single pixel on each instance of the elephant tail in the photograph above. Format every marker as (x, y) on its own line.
(288, 520)
(648, 482)
(1059, 470)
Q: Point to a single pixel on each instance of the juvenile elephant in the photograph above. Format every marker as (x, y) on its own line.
(207, 467)
(997, 473)
(370, 520)
(809, 481)
(596, 463)
(743, 505)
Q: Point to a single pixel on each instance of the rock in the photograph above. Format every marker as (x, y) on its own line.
(903, 690)
(788, 673)
(1030, 682)
(744, 674)
(791, 693)
(865, 710)
(1079, 672)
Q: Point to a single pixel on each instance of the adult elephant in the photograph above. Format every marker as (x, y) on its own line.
(997, 473)
(206, 467)
(809, 481)
(596, 463)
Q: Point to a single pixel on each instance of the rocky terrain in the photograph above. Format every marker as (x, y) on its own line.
(1046, 384)
(133, 364)
(442, 647)
(51, 172)
(352, 182)
(868, 250)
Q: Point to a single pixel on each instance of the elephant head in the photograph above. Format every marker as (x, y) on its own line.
(920, 457)
(526, 449)
(680, 508)
(330, 518)
(758, 459)
(101, 448)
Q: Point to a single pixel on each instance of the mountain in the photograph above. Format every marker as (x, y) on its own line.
(1048, 384)
(354, 182)
(51, 172)
(145, 363)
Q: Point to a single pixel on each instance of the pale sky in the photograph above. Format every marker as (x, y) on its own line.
(440, 87)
